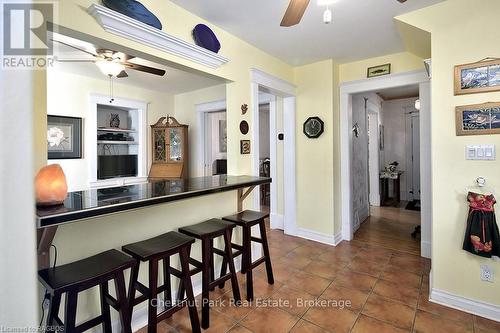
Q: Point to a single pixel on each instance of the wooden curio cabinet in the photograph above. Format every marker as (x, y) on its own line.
(170, 149)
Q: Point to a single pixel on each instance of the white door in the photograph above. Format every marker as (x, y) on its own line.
(373, 159)
(215, 140)
(415, 135)
(207, 166)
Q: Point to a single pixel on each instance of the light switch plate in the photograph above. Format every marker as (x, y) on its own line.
(480, 152)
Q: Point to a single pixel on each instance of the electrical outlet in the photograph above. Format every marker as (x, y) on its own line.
(486, 273)
(46, 302)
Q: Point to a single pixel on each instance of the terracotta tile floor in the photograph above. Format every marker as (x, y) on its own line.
(384, 281)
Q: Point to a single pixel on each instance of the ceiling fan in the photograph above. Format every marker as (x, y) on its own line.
(295, 11)
(111, 63)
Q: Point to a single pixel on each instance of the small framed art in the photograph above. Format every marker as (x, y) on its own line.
(478, 77)
(64, 137)
(478, 119)
(245, 147)
(379, 70)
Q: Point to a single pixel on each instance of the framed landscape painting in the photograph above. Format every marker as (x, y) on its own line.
(478, 119)
(64, 137)
(477, 77)
(379, 70)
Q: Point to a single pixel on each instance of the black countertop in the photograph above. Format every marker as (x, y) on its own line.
(97, 202)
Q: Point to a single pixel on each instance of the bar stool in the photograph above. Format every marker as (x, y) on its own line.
(84, 274)
(247, 219)
(153, 250)
(207, 231)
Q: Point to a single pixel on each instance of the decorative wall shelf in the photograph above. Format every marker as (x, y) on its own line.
(124, 26)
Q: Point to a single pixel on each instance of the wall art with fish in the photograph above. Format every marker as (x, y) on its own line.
(478, 119)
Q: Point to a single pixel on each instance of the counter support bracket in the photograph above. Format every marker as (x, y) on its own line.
(45, 237)
(242, 196)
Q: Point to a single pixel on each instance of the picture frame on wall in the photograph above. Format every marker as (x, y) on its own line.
(378, 70)
(478, 77)
(64, 137)
(478, 119)
(245, 147)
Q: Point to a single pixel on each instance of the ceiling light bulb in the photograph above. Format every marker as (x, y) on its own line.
(417, 104)
(327, 16)
(110, 67)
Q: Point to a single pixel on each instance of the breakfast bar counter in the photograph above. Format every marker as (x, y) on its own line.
(82, 205)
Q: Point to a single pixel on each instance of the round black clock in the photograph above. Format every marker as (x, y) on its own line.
(313, 127)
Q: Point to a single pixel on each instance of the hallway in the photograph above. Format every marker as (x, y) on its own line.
(391, 228)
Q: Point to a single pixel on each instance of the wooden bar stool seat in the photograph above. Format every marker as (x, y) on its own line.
(84, 274)
(153, 250)
(246, 220)
(207, 231)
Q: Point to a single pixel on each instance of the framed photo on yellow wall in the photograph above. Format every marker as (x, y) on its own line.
(478, 119)
(478, 77)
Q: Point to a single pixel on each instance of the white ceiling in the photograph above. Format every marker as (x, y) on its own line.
(175, 81)
(399, 92)
(360, 29)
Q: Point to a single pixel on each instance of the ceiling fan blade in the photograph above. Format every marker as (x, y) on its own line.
(122, 75)
(145, 69)
(294, 12)
(402, 1)
(74, 47)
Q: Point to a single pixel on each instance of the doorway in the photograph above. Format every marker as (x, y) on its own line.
(215, 162)
(353, 204)
(280, 96)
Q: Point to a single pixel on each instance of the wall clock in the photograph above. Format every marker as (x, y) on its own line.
(314, 127)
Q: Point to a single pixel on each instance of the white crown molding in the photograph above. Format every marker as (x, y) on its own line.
(479, 308)
(124, 26)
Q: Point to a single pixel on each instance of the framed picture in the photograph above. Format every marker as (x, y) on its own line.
(222, 136)
(379, 70)
(245, 147)
(64, 137)
(478, 119)
(477, 77)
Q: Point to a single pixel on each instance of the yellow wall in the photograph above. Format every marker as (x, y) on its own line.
(315, 156)
(400, 62)
(457, 38)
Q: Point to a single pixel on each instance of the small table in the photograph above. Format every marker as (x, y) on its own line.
(385, 200)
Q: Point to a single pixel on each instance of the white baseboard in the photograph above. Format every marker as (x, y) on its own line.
(425, 249)
(319, 237)
(277, 221)
(479, 308)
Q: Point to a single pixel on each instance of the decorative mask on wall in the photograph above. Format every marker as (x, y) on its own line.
(244, 108)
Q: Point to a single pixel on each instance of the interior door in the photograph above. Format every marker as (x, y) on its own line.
(373, 159)
(415, 134)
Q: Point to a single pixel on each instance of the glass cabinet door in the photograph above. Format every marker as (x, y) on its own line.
(176, 137)
(160, 146)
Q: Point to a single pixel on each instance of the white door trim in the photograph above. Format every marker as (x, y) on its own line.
(347, 89)
(277, 87)
(201, 110)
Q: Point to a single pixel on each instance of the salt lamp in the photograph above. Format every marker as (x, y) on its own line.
(50, 186)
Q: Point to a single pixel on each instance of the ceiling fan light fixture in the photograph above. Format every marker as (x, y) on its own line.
(110, 67)
(327, 16)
